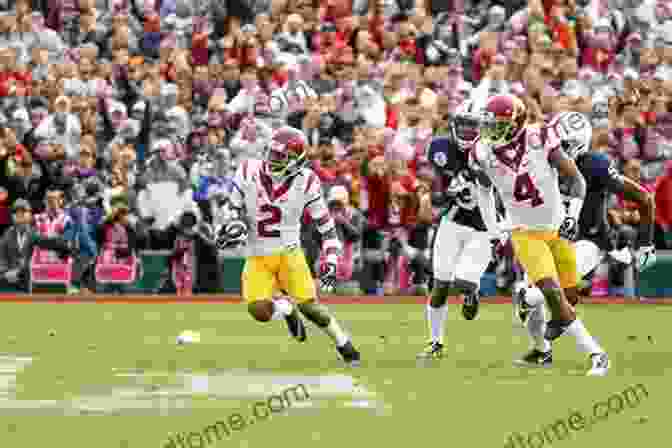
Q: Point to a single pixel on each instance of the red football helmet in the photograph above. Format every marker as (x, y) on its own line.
(286, 153)
(504, 120)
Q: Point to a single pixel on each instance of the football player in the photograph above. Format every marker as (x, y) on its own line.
(269, 198)
(525, 167)
(594, 233)
(461, 248)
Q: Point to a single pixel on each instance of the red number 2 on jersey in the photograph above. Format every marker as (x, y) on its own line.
(524, 190)
(265, 225)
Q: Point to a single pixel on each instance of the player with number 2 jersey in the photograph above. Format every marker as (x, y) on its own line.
(270, 197)
(525, 168)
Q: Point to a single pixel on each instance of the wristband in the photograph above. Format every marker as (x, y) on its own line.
(574, 206)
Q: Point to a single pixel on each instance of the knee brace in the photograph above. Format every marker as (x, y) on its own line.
(316, 313)
(439, 293)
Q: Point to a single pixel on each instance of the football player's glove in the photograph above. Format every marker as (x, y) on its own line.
(569, 229)
(232, 234)
(646, 257)
(328, 277)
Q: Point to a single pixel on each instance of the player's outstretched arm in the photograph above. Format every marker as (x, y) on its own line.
(577, 187)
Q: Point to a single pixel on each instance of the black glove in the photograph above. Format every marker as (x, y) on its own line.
(569, 229)
(92, 189)
(149, 221)
(328, 277)
(140, 184)
(233, 234)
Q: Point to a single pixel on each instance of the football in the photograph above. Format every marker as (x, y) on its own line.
(188, 337)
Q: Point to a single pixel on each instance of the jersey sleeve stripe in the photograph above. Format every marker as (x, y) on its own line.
(323, 220)
(311, 202)
(311, 181)
(237, 188)
(245, 165)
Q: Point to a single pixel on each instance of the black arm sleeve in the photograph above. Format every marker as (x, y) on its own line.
(108, 129)
(614, 181)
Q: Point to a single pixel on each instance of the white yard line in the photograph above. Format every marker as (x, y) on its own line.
(142, 396)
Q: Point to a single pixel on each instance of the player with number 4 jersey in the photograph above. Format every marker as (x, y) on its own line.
(602, 179)
(525, 167)
(269, 198)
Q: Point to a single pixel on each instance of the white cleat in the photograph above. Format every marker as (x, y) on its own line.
(601, 364)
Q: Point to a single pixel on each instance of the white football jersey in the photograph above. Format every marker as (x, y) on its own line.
(274, 211)
(527, 182)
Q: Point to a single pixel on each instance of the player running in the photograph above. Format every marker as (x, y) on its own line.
(525, 167)
(462, 248)
(602, 178)
(269, 198)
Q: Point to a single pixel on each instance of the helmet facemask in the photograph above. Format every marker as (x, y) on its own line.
(497, 132)
(466, 129)
(503, 121)
(284, 161)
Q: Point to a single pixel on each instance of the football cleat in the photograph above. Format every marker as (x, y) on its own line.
(349, 354)
(536, 358)
(433, 350)
(470, 305)
(601, 364)
(521, 309)
(295, 325)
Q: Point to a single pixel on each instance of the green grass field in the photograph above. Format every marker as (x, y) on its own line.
(119, 365)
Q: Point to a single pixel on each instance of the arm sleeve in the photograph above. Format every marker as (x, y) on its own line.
(576, 184)
(319, 213)
(351, 230)
(237, 196)
(613, 180)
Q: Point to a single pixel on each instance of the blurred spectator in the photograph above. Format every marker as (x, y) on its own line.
(625, 215)
(349, 225)
(128, 96)
(664, 210)
(16, 247)
(119, 238)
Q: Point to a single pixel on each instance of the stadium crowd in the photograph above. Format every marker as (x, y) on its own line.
(104, 102)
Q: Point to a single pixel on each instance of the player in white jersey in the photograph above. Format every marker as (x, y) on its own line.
(525, 167)
(574, 131)
(269, 198)
(462, 249)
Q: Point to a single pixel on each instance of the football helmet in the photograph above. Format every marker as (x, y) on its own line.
(503, 121)
(285, 154)
(465, 125)
(574, 131)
